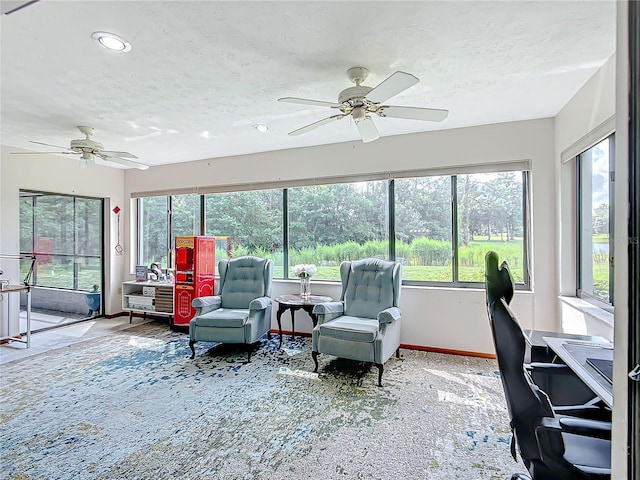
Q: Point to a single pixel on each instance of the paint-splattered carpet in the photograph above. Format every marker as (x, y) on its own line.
(134, 406)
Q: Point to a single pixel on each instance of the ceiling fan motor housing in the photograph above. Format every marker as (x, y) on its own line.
(86, 144)
(353, 93)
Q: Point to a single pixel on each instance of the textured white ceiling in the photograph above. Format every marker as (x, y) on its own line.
(202, 73)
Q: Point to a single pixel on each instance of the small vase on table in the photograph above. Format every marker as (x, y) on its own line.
(305, 287)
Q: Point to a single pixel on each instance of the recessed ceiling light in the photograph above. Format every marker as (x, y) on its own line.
(111, 41)
(261, 128)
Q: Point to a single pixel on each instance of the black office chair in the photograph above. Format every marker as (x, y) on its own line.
(566, 391)
(552, 448)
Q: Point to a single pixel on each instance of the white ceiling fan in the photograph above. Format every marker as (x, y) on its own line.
(361, 101)
(89, 149)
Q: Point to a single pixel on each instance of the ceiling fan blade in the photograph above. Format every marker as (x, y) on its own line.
(123, 161)
(49, 145)
(108, 153)
(413, 113)
(9, 6)
(42, 153)
(394, 84)
(315, 125)
(368, 130)
(305, 101)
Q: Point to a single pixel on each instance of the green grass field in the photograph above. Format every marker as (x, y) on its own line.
(471, 266)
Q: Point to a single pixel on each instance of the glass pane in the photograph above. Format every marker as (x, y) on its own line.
(329, 224)
(154, 230)
(55, 271)
(26, 224)
(68, 241)
(594, 221)
(423, 228)
(246, 223)
(89, 272)
(54, 221)
(490, 217)
(185, 216)
(88, 226)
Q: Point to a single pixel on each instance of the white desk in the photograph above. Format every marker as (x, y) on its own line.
(575, 353)
(9, 289)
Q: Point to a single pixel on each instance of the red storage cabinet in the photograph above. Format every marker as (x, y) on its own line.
(195, 271)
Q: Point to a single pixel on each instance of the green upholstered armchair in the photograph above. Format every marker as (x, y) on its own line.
(365, 324)
(241, 312)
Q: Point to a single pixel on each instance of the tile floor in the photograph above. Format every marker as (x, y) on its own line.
(66, 335)
(45, 319)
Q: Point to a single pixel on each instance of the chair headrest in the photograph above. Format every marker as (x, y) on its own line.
(498, 279)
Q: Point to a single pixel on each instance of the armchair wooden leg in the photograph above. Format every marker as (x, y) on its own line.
(398, 353)
(380, 369)
(315, 360)
(248, 353)
(193, 350)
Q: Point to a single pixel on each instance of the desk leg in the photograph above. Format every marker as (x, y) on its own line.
(278, 317)
(28, 317)
(130, 316)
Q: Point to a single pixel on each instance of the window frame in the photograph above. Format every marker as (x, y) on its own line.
(580, 293)
(456, 283)
(391, 189)
(34, 195)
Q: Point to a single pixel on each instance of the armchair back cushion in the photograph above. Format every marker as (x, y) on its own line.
(243, 280)
(369, 286)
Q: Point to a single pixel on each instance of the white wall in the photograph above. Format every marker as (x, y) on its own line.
(453, 319)
(55, 174)
(587, 116)
(620, 416)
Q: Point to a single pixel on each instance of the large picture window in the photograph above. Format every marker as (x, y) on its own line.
(153, 239)
(65, 235)
(595, 222)
(248, 223)
(166, 217)
(329, 224)
(438, 227)
(424, 228)
(490, 216)
(475, 213)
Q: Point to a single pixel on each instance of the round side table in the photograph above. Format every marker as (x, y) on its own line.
(296, 302)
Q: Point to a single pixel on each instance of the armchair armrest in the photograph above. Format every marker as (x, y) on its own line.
(328, 311)
(389, 315)
(206, 304)
(260, 303)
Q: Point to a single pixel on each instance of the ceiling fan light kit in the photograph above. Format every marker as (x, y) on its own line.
(361, 101)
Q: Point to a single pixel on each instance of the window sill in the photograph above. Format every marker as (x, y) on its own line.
(589, 309)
